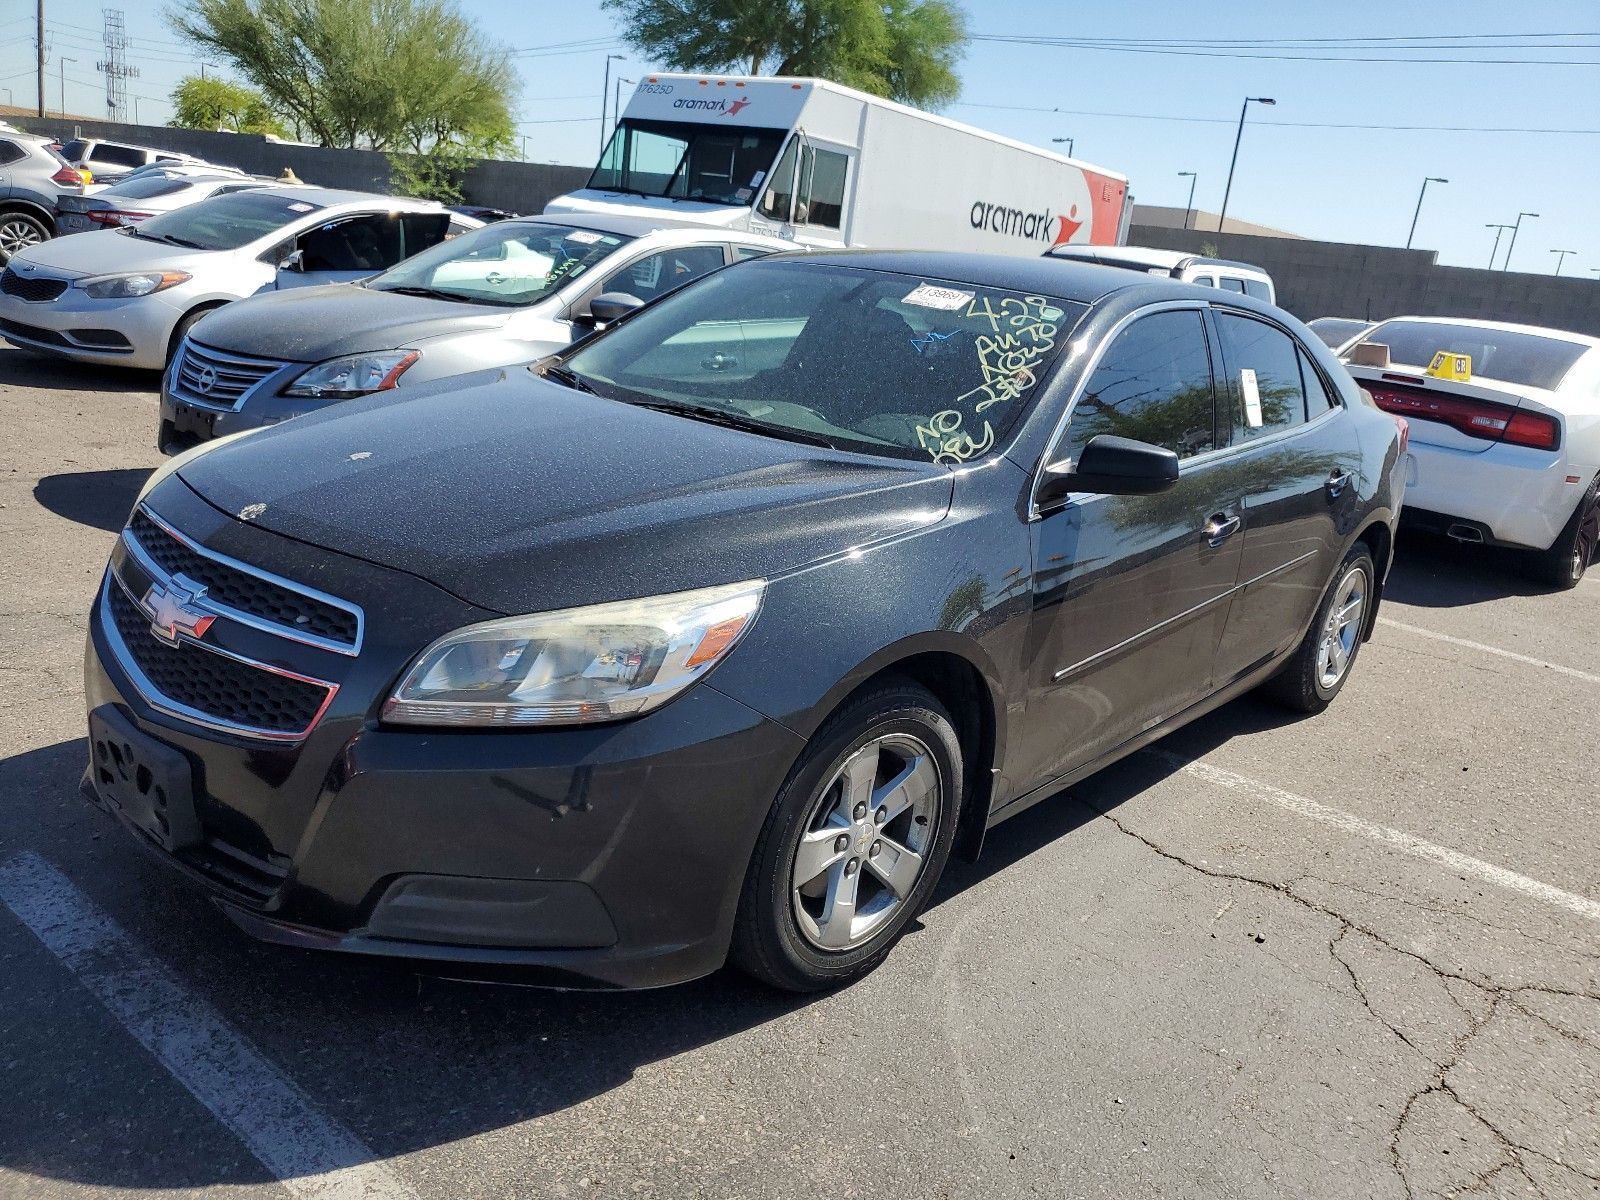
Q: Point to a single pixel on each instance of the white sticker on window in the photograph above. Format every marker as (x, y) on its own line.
(583, 237)
(755, 180)
(301, 206)
(1252, 398)
(743, 194)
(946, 299)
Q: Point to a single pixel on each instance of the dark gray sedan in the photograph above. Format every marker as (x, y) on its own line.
(719, 633)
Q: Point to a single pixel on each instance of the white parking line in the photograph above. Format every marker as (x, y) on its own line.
(310, 1153)
(1405, 842)
(1586, 676)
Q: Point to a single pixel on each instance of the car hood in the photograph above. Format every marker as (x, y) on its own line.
(105, 252)
(311, 324)
(519, 495)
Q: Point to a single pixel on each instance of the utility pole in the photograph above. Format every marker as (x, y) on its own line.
(1515, 229)
(1188, 212)
(1498, 231)
(605, 98)
(1561, 257)
(39, 37)
(1237, 138)
(1418, 212)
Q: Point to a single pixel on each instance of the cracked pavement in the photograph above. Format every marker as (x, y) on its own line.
(1155, 985)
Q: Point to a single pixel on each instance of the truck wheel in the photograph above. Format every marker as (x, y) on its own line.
(854, 844)
(1315, 674)
(1563, 565)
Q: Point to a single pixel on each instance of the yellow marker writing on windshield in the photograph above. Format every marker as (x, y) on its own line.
(1448, 365)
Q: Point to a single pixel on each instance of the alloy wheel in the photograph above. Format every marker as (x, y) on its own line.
(1343, 628)
(866, 842)
(17, 235)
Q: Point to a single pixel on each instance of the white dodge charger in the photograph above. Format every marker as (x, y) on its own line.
(1505, 433)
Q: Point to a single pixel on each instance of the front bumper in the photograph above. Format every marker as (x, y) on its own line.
(128, 333)
(609, 855)
(1520, 496)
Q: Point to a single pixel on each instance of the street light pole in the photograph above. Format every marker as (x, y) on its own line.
(605, 98)
(1561, 257)
(1418, 212)
(1498, 231)
(1237, 138)
(61, 72)
(1188, 212)
(1515, 229)
(1069, 143)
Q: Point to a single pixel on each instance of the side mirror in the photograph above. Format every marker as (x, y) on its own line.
(295, 260)
(1109, 466)
(613, 306)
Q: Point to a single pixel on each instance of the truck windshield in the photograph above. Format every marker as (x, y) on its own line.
(892, 364)
(685, 161)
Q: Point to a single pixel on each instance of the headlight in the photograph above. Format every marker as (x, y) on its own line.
(126, 287)
(358, 375)
(576, 665)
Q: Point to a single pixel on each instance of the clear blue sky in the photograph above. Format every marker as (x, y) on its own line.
(1357, 185)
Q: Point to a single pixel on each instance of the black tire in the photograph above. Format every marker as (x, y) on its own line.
(182, 328)
(18, 231)
(1303, 684)
(768, 940)
(1563, 565)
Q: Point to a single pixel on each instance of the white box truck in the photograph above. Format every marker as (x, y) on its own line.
(823, 165)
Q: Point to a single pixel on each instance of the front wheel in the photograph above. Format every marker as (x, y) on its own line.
(1317, 672)
(855, 842)
(1563, 565)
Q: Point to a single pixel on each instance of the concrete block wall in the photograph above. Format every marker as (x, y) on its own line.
(515, 186)
(1339, 279)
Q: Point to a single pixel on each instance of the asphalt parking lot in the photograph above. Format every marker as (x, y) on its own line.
(1351, 956)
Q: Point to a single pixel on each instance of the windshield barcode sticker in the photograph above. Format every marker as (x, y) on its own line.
(946, 299)
(301, 206)
(583, 237)
(1252, 398)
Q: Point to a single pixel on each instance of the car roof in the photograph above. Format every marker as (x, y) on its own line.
(1063, 279)
(1564, 335)
(1149, 256)
(334, 197)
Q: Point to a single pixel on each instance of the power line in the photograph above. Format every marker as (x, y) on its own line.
(1080, 112)
(1071, 44)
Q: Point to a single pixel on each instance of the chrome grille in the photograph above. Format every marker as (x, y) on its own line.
(214, 379)
(24, 287)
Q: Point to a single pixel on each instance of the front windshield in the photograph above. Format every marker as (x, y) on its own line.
(509, 263)
(1508, 355)
(686, 161)
(880, 361)
(225, 222)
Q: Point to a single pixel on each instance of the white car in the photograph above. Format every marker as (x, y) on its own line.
(1245, 278)
(1505, 433)
(127, 296)
(149, 195)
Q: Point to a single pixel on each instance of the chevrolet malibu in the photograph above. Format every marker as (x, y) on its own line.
(716, 635)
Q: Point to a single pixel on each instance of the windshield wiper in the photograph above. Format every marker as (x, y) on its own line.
(174, 241)
(735, 420)
(426, 292)
(567, 377)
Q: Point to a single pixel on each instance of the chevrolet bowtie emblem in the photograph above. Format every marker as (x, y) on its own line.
(171, 615)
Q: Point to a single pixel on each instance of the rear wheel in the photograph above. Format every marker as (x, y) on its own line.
(18, 231)
(1311, 679)
(854, 844)
(1563, 565)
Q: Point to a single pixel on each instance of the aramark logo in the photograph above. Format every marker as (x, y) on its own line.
(1053, 228)
(721, 104)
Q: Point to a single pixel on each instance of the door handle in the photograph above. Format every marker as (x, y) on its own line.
(1220, 527)
(1336, 484)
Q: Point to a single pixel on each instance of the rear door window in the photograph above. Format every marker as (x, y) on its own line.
(1153, 385)
(10, 152)
(1264, 389)
(1318, 398)
(1231, 284)
(1258, 289)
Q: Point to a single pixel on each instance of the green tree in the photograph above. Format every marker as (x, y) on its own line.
(411, 74)
(212, 103)
(904, 49)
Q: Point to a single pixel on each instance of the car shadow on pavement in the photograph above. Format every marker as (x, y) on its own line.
(1434, 572)
(23, 368)
(406, 1061)
(101, 499)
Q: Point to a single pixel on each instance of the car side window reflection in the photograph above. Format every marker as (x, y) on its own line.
(656, 274)
(1270, 398)
(1153, 385)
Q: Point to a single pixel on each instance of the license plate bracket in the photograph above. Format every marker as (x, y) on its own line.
(150, 782)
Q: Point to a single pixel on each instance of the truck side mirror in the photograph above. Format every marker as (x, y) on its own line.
(1109, 466)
